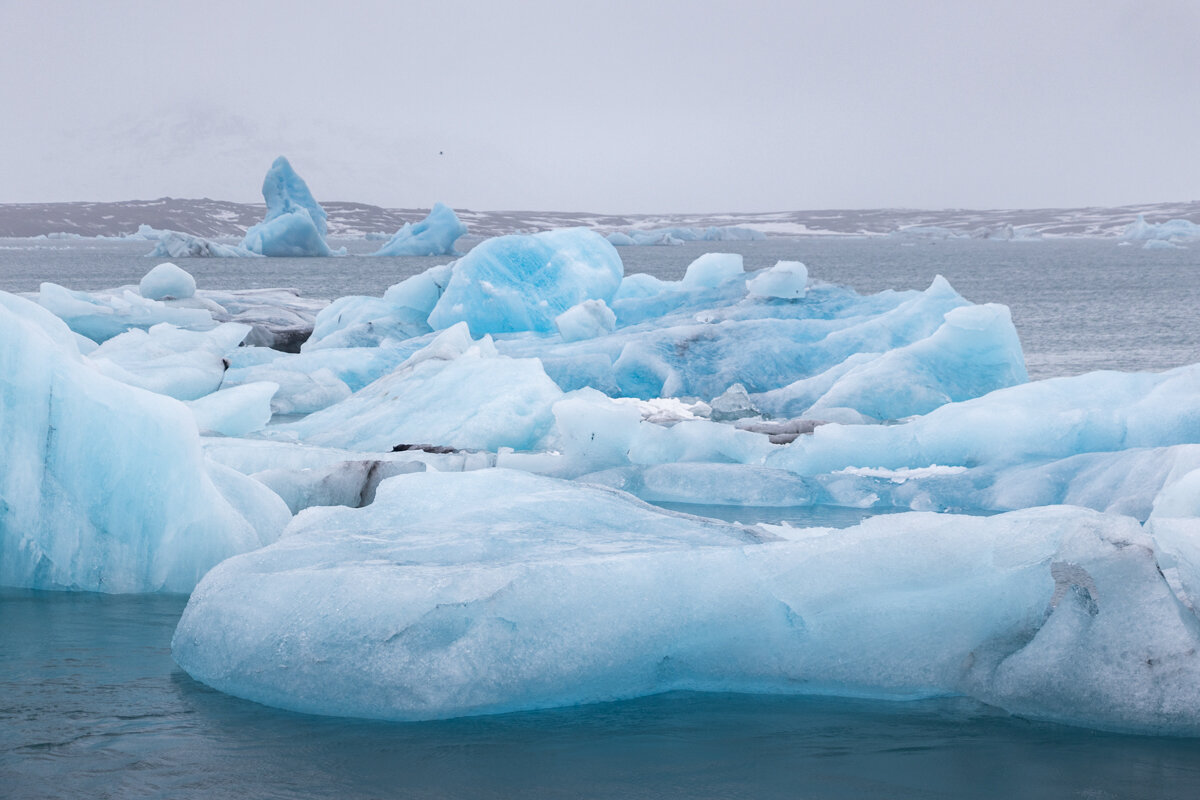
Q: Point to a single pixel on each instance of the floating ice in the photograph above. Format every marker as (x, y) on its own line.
(102, 315)
(926, 232)
(679, 235)
(787, 280)
(711, 270)
(103, 486)
(295, 222)
(1040, 421)
(433, 236)
(235, 411)
(455, 392)
(167, 282)
(181, 363)
(521, 283)
(974, 351)
(1170, 231)
(498, 600)
(173, 244)
(587, 320)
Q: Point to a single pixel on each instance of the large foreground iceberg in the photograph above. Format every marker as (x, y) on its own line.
(104, 486)
(295, 222)
(433, 236)
(498, 600)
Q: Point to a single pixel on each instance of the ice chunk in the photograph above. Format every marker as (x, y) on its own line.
(167, 282)
(733, 403)
(278, 318)
(974, 351)
(454, 392)
(235, 411)
(711, 270)
(679, 235)
(103, 486)
(787, 280)
(433, 236)
(168, 360)
(295, 222)
(587, 320)
(401, 313)
(174, 244)
(498, 600)
(618, 239)
(102, 315)
(1170, 231)
(521, 283)
(344, 483)
(1044, 420)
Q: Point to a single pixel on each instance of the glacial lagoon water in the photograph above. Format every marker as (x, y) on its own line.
(91, 704)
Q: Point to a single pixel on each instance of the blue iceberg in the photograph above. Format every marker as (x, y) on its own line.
(521, 283)
(295, 222)
(433, 236)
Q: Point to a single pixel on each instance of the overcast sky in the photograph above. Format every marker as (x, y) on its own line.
(607, 106)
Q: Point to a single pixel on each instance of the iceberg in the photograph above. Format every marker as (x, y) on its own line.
(167, 282)
(787, 280)
(433, 236)
(679, 235)
(589, 319)
(455, 392)
(295, 222)
(1169, 232)
(104, 487)
(173, 244)
(99, 316)
(168, 360)
(499, 601)
(521, 283)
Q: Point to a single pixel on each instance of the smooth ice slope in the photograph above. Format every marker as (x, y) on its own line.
(498, 600)
(433, 236)
(454, 392)
(103, 486)
(521, 283)
(295, 222)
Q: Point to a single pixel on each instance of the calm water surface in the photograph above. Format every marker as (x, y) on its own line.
(91, 704)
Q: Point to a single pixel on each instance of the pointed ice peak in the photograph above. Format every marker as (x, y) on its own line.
(286, 192)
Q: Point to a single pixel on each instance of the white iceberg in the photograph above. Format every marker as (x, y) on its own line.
(174, 244)
(498, 600)
(787, 280)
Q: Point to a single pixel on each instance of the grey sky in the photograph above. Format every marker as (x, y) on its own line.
(607, 106)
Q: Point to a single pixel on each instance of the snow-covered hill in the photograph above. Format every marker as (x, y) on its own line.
(218, 218)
